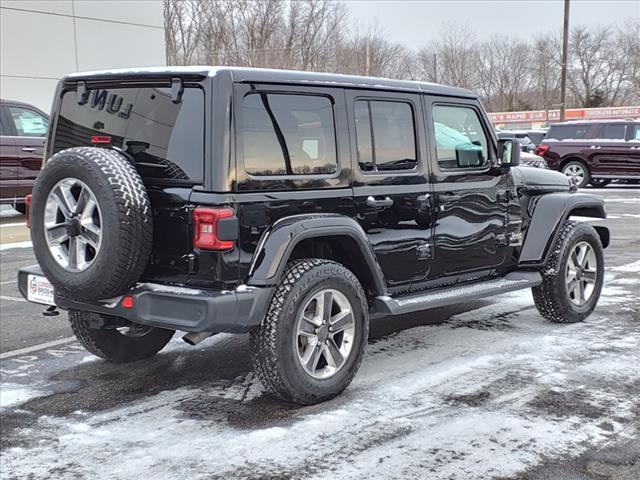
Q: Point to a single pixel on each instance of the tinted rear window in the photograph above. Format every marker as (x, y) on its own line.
(564, 132)
(288, 134)
(166, 139)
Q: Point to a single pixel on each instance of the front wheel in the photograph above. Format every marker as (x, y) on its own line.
(119, 345)
(312, 340)
(573, 278)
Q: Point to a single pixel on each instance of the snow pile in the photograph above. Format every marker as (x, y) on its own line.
(485, 394)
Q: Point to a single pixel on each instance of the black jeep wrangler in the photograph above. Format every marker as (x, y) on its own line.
(294, 206)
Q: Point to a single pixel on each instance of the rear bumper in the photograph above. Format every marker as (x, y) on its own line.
(175, 308)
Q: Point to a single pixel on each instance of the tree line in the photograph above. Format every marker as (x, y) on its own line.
(509, 74)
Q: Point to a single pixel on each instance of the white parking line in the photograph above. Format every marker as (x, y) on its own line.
(12, 299)
(9, 246)
(33, 348)
(19, 224)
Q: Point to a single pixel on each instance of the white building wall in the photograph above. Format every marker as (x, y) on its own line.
(41, 41)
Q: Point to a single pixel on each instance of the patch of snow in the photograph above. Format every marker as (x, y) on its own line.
(629, 267)
(166, 288)
(12, 394)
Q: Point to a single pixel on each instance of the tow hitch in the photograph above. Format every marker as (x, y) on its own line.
(51, 311)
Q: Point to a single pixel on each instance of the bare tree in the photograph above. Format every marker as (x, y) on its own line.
(546, 65)
(315, 35)
(450, 59)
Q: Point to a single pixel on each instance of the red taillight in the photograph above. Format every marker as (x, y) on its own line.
(100, 139)
(206, 226)
(27, 202)
(127, 302)
(541, 149)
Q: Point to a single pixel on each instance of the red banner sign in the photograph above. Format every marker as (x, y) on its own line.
(571, 114)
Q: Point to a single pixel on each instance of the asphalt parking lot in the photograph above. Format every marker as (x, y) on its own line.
(484, 390)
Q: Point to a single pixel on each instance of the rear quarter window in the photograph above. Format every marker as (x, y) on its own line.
(165, 139)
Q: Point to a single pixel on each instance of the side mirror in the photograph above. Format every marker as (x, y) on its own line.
(508, 153)
(469, 155)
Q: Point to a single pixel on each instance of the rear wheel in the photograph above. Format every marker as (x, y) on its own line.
(578, 172)
(312, 340)
(91, 223)
(119, 345)
(573, 277)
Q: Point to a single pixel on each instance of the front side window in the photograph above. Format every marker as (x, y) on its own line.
(385, 135)
(288, 134)
(612, 132)
(636, 133)
(28, 123)
(460, 139)
(165, 139)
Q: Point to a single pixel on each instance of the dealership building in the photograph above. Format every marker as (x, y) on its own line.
(41, 41)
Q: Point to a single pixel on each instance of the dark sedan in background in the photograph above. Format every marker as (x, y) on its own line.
(23, 129)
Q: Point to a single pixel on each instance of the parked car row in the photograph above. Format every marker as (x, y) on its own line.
(23, 129)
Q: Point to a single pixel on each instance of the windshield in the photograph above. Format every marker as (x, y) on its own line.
(165, 139)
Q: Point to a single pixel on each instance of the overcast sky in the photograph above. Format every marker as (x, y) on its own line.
(413, 23)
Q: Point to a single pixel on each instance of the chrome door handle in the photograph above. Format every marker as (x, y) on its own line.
(28, 149)
(383, 202)
(595, 147)
(635, 148)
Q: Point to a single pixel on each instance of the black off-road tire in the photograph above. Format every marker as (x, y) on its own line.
(114, 346)
(126, 222)
(274, 359)
(552, 297)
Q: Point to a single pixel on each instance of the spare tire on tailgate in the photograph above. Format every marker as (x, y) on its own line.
(91, 223)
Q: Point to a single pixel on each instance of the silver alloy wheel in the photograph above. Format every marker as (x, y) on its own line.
(575, 172)
(73, 225)
(325, 331)
(581, 273)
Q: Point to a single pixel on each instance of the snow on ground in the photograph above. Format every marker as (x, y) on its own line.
(486, 394)
(14, 394)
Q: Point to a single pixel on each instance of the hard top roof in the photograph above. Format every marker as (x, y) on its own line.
(265, 75)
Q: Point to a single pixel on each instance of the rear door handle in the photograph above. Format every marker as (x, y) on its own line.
(595, 147)
(635, 148)
(450, 197)
(28, 149)
(383, 202)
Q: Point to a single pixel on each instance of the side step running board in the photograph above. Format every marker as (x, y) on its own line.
(456, 294)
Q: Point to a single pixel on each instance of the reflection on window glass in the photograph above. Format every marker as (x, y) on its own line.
(28, 123)
(636, 135)
(612, 132)
(286, 134)
(460, 139)
(166, 139)
(385, 135)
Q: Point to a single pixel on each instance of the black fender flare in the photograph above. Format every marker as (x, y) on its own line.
(277, 243)
(549, 212)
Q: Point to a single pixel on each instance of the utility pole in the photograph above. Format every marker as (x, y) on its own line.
(565, 52)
